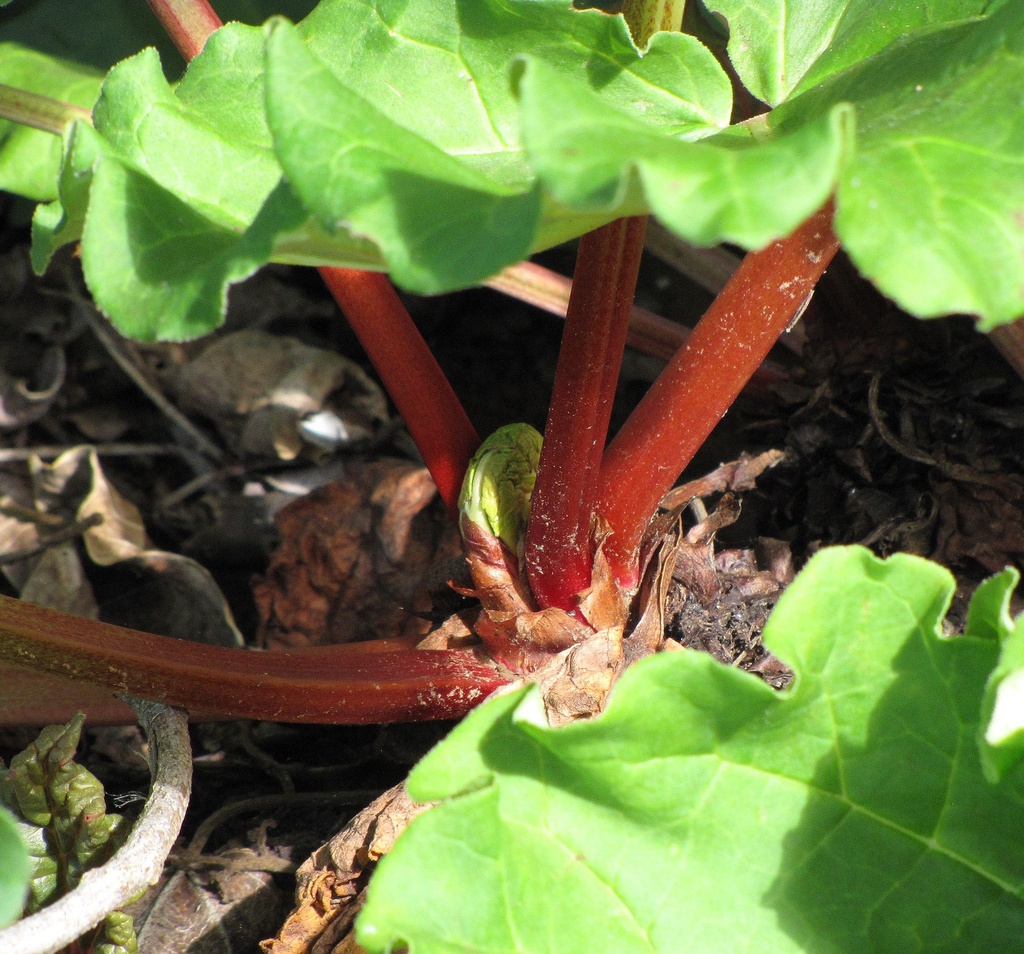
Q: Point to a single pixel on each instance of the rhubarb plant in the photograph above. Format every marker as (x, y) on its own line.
(439, 141)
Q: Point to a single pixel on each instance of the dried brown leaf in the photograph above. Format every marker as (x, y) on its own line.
(737, 475)
(211, 912)
(980, 522)
(353, 558)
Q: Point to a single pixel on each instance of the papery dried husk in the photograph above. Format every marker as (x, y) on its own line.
(737, 475)
(575, 658)
(331, 884)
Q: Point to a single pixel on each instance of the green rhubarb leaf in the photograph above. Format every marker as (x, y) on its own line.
(162, 268)
(177, 194)
(778, 46)
(849, 813)
(727, 187)
(380, 180)
(399, 122)
(181, 187)
(444, 139)
(15, 869)
(29, 158)
(61, 221)
(212, 151)
(929, 203)
(442, 69)
(54, 48)
(988, 614)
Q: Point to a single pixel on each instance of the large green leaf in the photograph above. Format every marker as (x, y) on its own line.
(61, 50)
(381, 180)
(703, 811)
(727, 187)
(407, 130)
(1003, 710)
(778, 46)
(442, 69)
(181, 187)
(929, 203)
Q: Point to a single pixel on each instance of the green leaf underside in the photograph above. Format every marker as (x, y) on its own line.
(728, 187)
(439, 180)
(444, 139)
(374, 177)
(704, 811)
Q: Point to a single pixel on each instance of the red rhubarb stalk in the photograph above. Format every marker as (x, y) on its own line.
(649, 333)
(435, 417)
(698, 386)
(558, 539)
(354, 684)
(187, 22)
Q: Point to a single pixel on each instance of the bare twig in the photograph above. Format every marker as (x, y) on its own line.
(113, 342)
(261, 803)
(192, 436)
(539, 286)
(13, 455)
